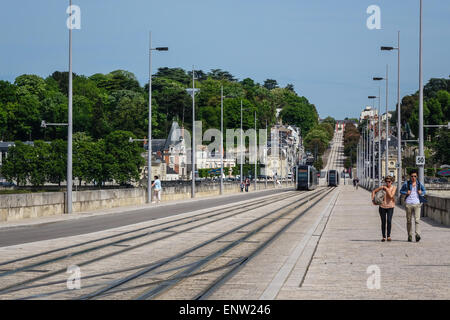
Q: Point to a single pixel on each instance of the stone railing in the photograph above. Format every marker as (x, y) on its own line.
(438, 209)
(15, 207)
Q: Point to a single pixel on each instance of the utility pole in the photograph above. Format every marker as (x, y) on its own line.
(421, 142)
(70, 124)
(221, 140)
(194, 149)
(256, 155)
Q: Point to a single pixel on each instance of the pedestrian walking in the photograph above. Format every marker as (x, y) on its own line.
(157, 190)
(356, 183)
(242, 186)
(386, 202)
(247, 184)
(415, 193)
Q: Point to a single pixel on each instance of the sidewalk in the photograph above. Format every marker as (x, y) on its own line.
(351, 243)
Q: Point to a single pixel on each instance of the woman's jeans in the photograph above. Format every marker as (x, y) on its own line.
(386, 216)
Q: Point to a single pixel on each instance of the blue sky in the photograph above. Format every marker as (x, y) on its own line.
(323, 47)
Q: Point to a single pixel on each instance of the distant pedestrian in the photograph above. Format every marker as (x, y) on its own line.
(157, 190)
(247, 184)
(356, 183)
(387, 205)
(242, 186)
(415, 193)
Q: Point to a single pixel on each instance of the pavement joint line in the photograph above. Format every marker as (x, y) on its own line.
(151, 221)
(280, 278)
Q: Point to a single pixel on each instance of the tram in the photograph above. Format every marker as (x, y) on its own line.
(307, 178)
(333, 178)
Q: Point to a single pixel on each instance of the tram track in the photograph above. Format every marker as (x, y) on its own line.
(161, 286)
(190, 219)
(242, 208)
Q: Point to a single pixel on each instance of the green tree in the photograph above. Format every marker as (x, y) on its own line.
(317, 140)
(300, 114)
(175, 74)
(124, 158)
(17, 166)
(7, 92)
(218, 74)
(39, 163)
(57, 162)
(442, 146)
(270, 84)
(330, 120)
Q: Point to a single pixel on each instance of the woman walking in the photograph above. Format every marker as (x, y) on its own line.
(386, 208)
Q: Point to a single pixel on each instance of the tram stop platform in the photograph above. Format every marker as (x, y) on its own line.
(351, 262)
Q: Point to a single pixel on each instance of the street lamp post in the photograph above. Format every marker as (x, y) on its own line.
(149, 145)
(379, 135)
(241, 144)
(421, 147)
(70, 125)
(256, 155)
(387, 118)
(399, 132)
(193, 148)
(221, 140)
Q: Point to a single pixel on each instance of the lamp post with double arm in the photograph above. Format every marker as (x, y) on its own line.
(149, 145)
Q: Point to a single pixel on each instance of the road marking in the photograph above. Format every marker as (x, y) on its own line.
(276, 284)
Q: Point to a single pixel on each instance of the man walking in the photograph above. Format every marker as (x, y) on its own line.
(157, 190)
(414, 192)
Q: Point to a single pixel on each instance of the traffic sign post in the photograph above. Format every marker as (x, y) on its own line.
(420, 160)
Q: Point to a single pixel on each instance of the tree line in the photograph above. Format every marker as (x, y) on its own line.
(110, 108)
(436, 111)
(103, 103)
(110, 159)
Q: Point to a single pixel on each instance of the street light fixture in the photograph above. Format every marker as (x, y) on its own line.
(149, 146)
(421, 142)
(387, 118)
(379, 133)
(192, 92)
(399, 128)
(46, 124)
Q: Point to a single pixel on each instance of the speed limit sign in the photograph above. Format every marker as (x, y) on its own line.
(420, 160)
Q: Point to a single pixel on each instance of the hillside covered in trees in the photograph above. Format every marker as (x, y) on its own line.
(103, 103)
(110, 108)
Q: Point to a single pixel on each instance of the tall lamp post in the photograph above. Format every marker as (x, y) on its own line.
(256, 155)
(387, 118)
(399, 128)
(421, 147)
(149, 146)
(221, 140)
(193, 147)
(373, 139)
(242, 109)
(241, 145)
(70, 124)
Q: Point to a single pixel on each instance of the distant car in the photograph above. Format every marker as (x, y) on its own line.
(7, 184)
(442, 180)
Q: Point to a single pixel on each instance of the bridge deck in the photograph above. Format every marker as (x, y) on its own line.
(351, 243)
